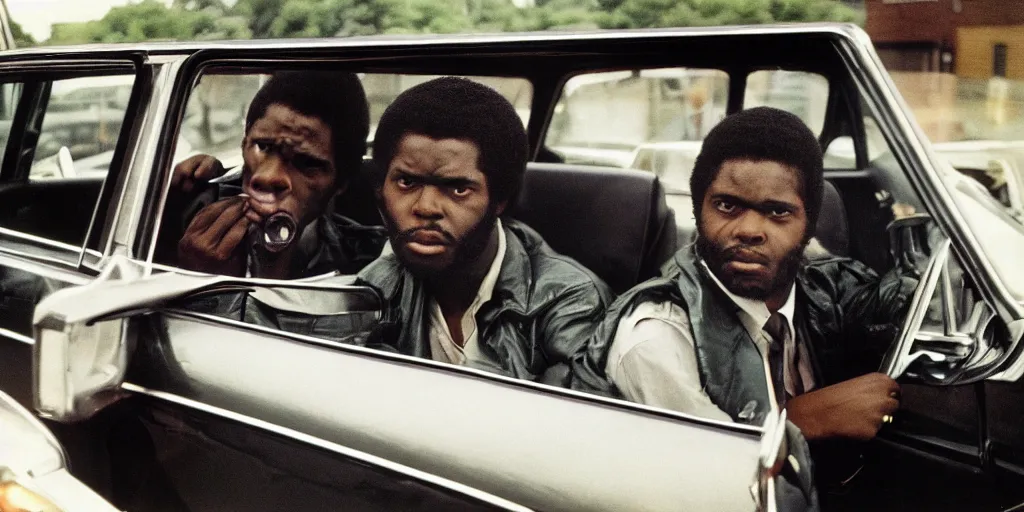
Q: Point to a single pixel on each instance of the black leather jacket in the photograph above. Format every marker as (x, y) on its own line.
(544, 307)
(846, 314)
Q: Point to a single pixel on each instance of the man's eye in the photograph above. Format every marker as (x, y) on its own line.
(404, 183)
(725, 206)
(261, 146)
(778, 213)
(461, 191)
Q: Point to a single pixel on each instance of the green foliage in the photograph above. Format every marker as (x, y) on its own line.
(22, 39)
(213, 19)
(152, 20)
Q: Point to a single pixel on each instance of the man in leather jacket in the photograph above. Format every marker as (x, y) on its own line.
(305, 136)
(742, 324)
(465, 286)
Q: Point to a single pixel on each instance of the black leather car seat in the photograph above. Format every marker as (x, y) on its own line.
(612, 220)
(833, 231)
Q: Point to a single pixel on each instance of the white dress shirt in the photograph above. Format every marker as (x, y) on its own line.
(653, 360)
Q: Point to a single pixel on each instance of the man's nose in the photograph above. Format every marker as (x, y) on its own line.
(271, 177)
(428, 203)
(750, 228)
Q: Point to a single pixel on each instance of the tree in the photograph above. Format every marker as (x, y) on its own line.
(213, 19)
(151, 20)
(22, 39)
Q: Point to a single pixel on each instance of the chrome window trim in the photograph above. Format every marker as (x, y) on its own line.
(622, 404)
(7, 333)
(142, 161)
(367, 458)
(42, 266)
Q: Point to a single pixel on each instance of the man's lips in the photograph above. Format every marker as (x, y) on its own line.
(427, 242)
(742, 260)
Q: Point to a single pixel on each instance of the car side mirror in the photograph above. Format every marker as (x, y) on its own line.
(84, 335)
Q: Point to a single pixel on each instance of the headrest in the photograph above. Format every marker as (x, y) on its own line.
(832, 230)
(612, 220)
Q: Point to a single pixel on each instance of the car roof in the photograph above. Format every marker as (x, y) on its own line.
(186, 47)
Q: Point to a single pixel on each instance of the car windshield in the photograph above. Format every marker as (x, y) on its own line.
(976, 126)
(989, 221)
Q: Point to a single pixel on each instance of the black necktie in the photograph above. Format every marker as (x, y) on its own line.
(776, 329)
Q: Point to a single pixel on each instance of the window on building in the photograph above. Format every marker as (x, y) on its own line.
(999, 60)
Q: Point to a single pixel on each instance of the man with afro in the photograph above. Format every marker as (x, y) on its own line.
(741, 324)
(466, 285)
(305, 136)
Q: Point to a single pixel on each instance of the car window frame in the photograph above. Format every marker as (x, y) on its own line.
(41, 71)
(188, 76)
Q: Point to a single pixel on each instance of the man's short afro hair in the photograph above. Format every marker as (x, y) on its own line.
(336, 98)
(762, 133)
(458, 108)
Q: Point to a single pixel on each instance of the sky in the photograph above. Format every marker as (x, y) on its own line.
(36, 16)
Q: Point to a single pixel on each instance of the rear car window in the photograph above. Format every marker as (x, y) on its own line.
(798, 92)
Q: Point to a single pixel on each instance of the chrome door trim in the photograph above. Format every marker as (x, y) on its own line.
(7, 333)
(435, 365)
(301, 437)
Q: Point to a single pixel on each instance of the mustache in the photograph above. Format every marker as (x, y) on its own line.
(407, 235)
(744, 253)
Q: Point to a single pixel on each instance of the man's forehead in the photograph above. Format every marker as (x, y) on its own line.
(445, 158)
(758, 180)
(280, 121)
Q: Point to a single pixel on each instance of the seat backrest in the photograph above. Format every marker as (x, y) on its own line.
(612, 220)
(833, 231)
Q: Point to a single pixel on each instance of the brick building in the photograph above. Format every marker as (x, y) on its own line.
(972, 38)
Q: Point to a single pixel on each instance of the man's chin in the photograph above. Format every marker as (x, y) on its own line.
(747, 288)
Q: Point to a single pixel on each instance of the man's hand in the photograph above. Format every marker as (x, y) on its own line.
(851, 409)
(212, 241)
(195, 170)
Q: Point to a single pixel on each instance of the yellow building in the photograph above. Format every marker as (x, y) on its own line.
(987, 51)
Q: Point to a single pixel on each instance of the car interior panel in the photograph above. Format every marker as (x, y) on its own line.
(54, 209)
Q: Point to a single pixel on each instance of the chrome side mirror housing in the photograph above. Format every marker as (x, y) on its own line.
(79, 366)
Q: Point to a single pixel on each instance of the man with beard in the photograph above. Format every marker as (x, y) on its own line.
(305, 136)
(741, 324)
(468, 287)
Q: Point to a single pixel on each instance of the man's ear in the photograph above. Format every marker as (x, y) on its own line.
(500, 209)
